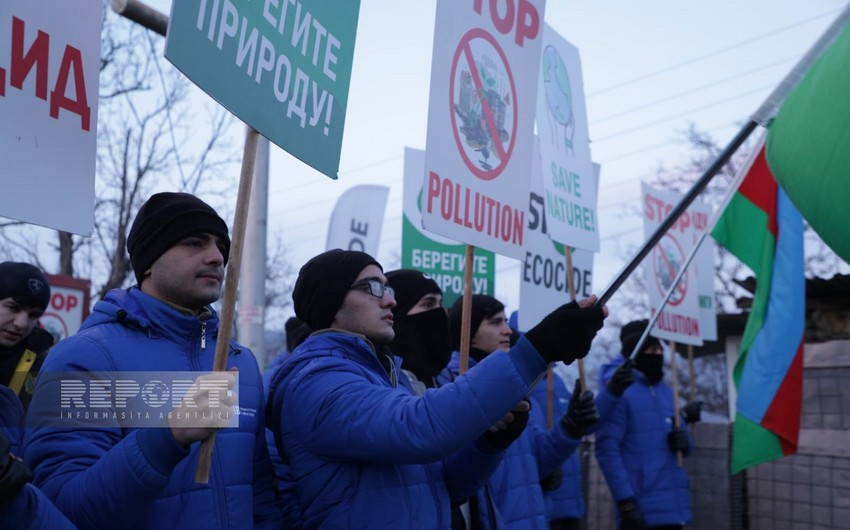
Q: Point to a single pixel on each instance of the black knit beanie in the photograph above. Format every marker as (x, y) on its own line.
(24, 282)
(296, 332)
(410, 286)
(163, 221)
(630, 334)
(323, 283)
(483, 306)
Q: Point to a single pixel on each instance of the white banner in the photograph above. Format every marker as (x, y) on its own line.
(481, 120)
(357, 219)
(680, 319)
(568, 179)
(49, 68)
(543, 274)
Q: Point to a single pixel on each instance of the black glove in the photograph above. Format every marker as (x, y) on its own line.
(581, 414)
(14, 474)
(630, 516)
(622, 378)
(565, 334)
(552, 481)
(692, 411)
(503, 438)
(678, 440)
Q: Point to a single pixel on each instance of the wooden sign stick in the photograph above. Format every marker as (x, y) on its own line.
(231, 284)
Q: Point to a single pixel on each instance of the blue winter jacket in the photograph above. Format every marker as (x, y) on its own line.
(567, 502)
(116, 476)
(31, 510)
(512, 497)
(288, 494)
(11, 419)
(632, 451)
(366, 452)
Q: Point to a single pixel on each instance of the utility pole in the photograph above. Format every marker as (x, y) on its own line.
(250, 324)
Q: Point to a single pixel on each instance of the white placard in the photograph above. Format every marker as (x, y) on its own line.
(543, 277)
(680, 319)
(480, 121)
(568, 180)
(49, 67)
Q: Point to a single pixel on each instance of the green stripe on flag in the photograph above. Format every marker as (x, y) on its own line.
(742, 229)
(753, 444)
(807, 145)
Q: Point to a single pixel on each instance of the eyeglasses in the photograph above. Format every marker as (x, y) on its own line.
(375, 287)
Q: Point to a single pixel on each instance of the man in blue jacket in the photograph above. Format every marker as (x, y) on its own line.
(562, 489)
(366, 452)
(512, 497)
(636, 446)
(114, 473)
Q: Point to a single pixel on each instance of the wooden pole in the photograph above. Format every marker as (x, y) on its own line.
(466, 310)
(231, 284)
(674, 375)
(571, 287)
(692, 385)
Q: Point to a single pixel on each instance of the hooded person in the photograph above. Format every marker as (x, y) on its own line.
(421, 326)
(512, 497)
(358, 440)
(24, 296)
(135, 456)
(640, 434)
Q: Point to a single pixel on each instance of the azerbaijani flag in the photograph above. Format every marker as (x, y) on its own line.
(807, 144)
(763, 229)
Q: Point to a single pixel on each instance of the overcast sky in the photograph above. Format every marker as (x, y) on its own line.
(649, 68)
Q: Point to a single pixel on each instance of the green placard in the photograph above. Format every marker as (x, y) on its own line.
(282, 67)
(445, 263)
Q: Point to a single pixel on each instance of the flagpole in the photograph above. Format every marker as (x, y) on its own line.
(766, 112)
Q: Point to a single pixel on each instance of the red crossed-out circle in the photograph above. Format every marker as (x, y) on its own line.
(464, 49)
(661, 259)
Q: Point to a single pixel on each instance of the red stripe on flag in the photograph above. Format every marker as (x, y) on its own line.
(783, 415)
(759, 187)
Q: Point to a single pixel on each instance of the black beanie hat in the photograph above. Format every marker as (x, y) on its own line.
(24, 282)
(630, 334)
(296, 332)
(410, 286)
(323, 283)
(164, 220)
(483, 306)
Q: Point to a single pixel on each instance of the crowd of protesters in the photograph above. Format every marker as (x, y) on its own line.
(370, 419)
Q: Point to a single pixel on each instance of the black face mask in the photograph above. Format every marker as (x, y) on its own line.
(651, 365)
(422, 340)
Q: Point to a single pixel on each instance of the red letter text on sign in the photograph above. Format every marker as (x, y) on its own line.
(528, 22)
(37, 56)
(72, 59)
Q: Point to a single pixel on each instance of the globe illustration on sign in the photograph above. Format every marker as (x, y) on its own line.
(668, 259)
(559, 98)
